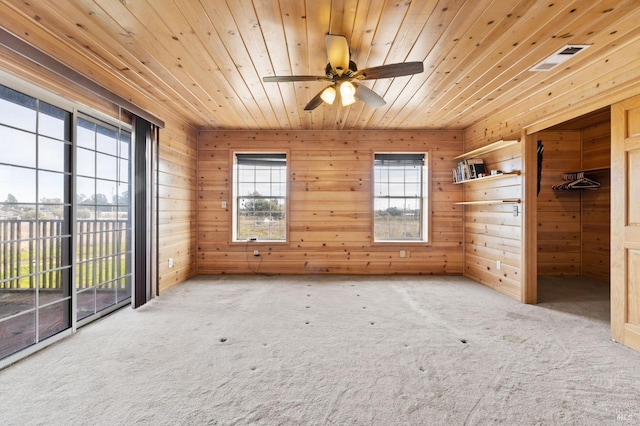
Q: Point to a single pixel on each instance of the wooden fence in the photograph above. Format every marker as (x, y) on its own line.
(100, 250)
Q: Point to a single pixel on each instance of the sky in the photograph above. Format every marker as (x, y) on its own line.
(22, 150)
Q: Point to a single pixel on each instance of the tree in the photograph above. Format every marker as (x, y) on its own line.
(11, 201)
(98, 200)
(121, 199)
(394, 211)
(31, 214)
(263, 207)
(83, 214)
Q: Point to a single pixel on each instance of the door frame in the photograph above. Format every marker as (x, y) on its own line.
(529, 250)
(625, 236)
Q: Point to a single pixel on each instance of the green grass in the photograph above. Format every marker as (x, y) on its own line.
(85, 273)
(249, 228)
(396, 228)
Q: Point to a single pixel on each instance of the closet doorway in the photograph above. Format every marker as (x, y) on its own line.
(574, 215)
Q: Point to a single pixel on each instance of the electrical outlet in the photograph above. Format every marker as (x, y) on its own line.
(171, 262)
(498, 265)
(223, 204)
(515, 210)
(256, 253)
(403, 253)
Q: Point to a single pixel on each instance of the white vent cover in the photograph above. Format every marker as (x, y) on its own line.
(559, 57)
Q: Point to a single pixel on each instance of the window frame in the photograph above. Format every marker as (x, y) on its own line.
(233, 231)
(425, 200)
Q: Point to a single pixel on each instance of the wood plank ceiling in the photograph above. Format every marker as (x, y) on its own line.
(204, 60)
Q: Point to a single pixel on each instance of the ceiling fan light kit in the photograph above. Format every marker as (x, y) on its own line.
(347, 93)
(329, 95)
(343, 73)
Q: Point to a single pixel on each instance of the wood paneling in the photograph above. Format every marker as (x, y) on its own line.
(330, 205)
(492, 233)
(205, 60)
(177, 203)
(596, 205)
(529, 249)
(559, 212)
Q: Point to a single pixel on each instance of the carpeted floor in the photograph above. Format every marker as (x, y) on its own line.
(336, 350)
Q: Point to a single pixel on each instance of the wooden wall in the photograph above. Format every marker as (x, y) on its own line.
(559, 212)
(177, 168)
(596, 205)
(491, 232)
(177, 204)
(330, 204)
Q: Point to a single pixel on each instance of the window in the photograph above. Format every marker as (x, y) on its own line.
(400, 197)
(260, 197)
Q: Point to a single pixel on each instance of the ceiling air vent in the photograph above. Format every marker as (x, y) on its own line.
(559, 57)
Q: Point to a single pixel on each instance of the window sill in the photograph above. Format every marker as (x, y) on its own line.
(401, 242)
(261, 242)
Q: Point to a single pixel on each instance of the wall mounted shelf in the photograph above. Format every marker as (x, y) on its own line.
(594, 170)
(505, 201)
(490, 177)
(487, 149)
(482, 151)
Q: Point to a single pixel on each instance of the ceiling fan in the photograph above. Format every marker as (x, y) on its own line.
(343, 74)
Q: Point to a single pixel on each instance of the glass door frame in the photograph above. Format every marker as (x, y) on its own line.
(32, 90)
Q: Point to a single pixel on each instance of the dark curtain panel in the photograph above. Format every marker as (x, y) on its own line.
(145, 138)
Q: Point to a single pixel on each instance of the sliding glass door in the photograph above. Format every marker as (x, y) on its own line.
(103, 214)
(65, 219)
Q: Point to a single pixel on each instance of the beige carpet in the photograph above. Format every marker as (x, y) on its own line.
(336, 350)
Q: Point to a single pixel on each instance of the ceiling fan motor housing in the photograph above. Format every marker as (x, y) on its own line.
(329, 72)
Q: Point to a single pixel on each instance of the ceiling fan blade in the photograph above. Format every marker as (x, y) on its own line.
(368, 96)
(391, 70)
(315, 102)
(293, 78)
(338, 52)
